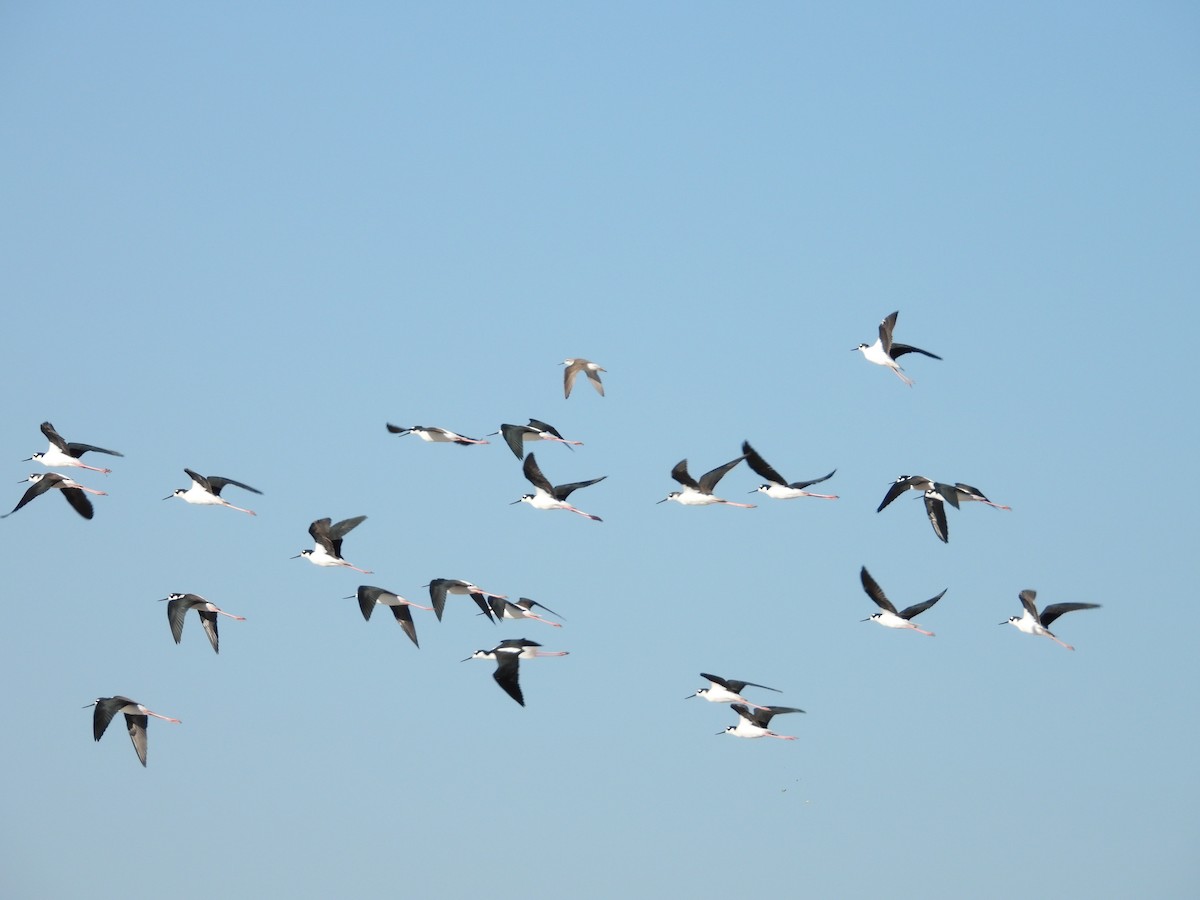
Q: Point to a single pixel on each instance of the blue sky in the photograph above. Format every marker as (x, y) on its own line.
(241, 240)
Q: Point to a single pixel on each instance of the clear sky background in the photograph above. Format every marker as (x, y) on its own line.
(242, 238)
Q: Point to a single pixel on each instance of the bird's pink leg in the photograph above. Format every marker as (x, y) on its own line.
(94, 469)
(821, 496)
(419, 606)
(742, 505)
(997, 505)
(91, 490)
(530, 615)
(357, 569)
(222, 612)
(902, 376)
(538, 653)
(582, 513)
(1057, 641)
(160, 716)
(238, 508)
(782, 737)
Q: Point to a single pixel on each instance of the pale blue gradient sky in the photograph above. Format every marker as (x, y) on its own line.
(240, 240)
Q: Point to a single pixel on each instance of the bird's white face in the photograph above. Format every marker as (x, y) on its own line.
(174, 596)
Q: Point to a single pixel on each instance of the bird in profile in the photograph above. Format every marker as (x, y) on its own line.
(177, 610)
(587, 367)
(725, 690)
(550, 496)
(435, 435)
(73, 491)
(440, 587)
(328, 548)
(1033, 622)
(752, 723)
(516, 436)
(136, 719)
(507, 656)
(936, 496)
(887, 615)
(777, 487)
(884, 351)
(520, 609)
(962, 492)
(700, 493)
(62, 454)
(369, 597)
(206, 491)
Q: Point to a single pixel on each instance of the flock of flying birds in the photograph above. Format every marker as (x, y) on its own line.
(328, 537)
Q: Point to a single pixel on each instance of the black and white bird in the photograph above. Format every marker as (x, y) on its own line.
(726, 690)
(328, 548)
(962, 492)
(206, 491)
(62, 454)
(885, 351)
(507, 656)
(887, 615)
(936, 496)
(520, 609)
(369, 597)
(436, 435)
(777, 487)
(752, 723)
(73, 491)
(1033, 622)
(587, 367)
(136, 720)
(550, 496)
(700, 493)
(177, 610)
(516, 436)
(440, 587)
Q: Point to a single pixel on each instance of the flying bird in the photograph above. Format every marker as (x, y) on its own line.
(507, 656)
(700, 493)
(724, 690)
(369, 597)
(177, 610)
(73, 491)
(887, 615)
(328, 548)
(436, 435)
(884, 351)
(549, 496)
(136, 719)
(1033, 622)
(516, 436)
(589, 368)
(62, 454)
(936, 496)
(440, 587)
(752, 723)
(520, 609)
(206, 491)
(777, 487)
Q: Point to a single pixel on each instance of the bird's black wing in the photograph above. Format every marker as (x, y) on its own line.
(760, 466)
(563, 491)
(319, 532)
(936, 510)
(217, 483)
(874, 591)
(106, 708)
(1028, 598)
(901, 349)
(507, 667)
(801, 485)
(36, 489)
(54, 437)
(738, 686)
(136, 723)
(1054, 610)
(404, 618)
(482, 602)
(898, 487)
(546, 427)
(708, 481)
(680, 474)
(79, 502)
(177, 611)
(917, 608)
(199, 479)
(514, 436)
(885, 332)
(396, 429)
(534, 475)
(437, 595)
(208, 619)
(77, 450)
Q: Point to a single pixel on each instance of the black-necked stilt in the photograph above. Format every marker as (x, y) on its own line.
(177, 610)
(936, 496)
(206, 491)
(589, 368)
(777, 487)
(507, 655)
(328, 549)
(887, 615)
(884, 351)
(440, 587)
(72, 490)
(516, 436)
(700, 493)
(1033, 622)
(968, 493)
(752, 723)
(436, 435)
(724, 690)
(62, 454)
(550, 496)
(136, 718)
(521, 609)
(369, 597)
